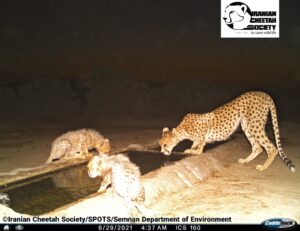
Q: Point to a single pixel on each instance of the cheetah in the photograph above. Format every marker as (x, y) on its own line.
(123, 176)
(250, 110)
(77, 144)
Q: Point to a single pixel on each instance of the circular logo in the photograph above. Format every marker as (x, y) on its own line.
(237, 16)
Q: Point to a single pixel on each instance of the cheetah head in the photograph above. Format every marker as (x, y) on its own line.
(104, 147)
(237, 15)
(94, 167)
(168, 140)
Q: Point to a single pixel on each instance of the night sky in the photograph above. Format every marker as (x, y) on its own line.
(151, 40)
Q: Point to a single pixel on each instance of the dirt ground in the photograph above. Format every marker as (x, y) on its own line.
(240, 192)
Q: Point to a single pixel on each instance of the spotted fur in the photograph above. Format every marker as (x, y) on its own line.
(251, 110)
(77, 144)
(122, 175)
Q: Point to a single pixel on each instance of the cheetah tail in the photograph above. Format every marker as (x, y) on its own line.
(283, 157)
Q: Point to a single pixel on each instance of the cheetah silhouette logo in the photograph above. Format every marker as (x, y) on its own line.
(237, 16)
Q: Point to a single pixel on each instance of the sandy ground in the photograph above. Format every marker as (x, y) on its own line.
(240, 192)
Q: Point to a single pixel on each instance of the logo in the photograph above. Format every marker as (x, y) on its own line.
(279, 223)
(237, 15)
(250, 19)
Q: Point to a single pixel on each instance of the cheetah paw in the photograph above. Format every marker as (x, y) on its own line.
(102, 190)
(260, 167)
(188, 151)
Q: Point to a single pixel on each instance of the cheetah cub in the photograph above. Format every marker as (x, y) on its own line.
(251, 110)
(77, 144)
(123, 176)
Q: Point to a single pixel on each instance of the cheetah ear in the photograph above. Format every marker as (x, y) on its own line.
(165, 130)
(244, 8)
(174, 131)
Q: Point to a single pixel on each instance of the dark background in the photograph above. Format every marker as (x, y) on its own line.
(140, 59)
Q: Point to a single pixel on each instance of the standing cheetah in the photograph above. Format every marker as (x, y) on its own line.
(78, 143)
(251, 110)
(124, 178)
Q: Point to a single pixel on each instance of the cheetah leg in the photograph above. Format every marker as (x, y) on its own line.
(256, 148)
(197, 148)
(104, 184)
(84, 151)
(271, 151)
(195, 144)
(130, 207)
